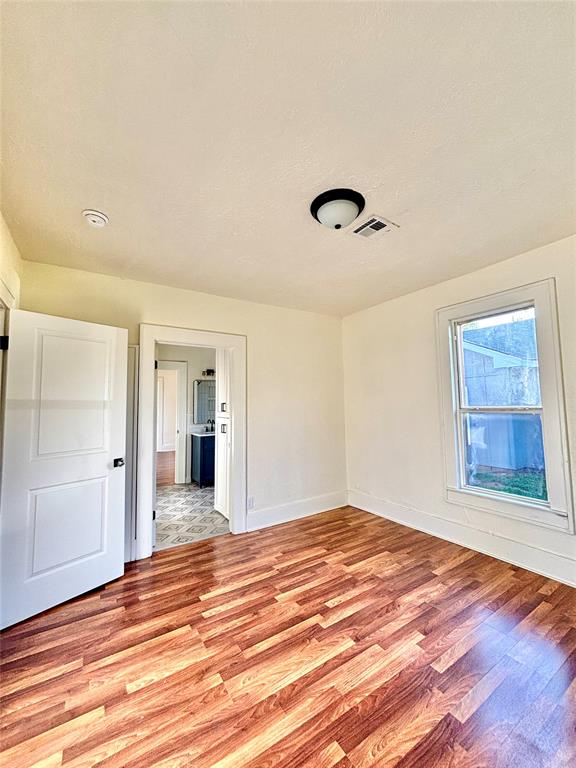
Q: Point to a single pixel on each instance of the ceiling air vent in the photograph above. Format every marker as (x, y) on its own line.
(375, 225)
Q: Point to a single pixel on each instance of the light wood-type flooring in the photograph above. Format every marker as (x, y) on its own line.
(340, 640)
(165, 467)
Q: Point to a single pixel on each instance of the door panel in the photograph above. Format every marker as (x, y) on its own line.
(58, 534)
(62, 501)
(73, 381)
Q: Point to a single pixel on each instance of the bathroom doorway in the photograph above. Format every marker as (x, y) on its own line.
(185, 507)
(230, 429)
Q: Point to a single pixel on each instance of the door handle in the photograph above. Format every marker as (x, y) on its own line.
(119, 462)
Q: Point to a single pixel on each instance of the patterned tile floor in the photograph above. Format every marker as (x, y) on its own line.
(185, 513)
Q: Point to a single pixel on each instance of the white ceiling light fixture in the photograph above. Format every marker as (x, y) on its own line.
(96, 219)
(337, 208)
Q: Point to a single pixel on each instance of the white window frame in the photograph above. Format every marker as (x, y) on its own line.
(557, 512)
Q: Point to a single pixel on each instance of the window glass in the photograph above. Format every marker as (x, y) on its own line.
(500, 360)
(504, 453)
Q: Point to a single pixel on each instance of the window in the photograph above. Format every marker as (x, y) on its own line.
(503, 406)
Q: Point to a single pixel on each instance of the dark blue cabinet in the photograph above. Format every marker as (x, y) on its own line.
(203, 447)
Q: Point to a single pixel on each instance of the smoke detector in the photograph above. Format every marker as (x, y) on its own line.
(96, 219)
(374, 225)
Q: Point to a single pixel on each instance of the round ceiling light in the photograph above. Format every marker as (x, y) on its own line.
(337, 208)
(95, 218)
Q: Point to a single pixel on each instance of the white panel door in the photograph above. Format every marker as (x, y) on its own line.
(62, 501)
(222, 383)
(180, 419)
(167, 409)
(222, 467)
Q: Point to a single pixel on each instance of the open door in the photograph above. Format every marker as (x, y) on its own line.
(62, 500)
(171, 412)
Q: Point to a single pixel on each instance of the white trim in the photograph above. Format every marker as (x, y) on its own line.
(515, 507)
(235, 347)
(7, 297)
(294, 510)
(558, 512)
(532, 558)
(3, 327)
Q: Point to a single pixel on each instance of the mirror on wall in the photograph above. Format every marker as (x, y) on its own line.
(204, 400)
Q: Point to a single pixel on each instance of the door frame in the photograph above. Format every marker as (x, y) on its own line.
(181, 368)
(131, 452)
(234, 347)
(7, 298)
(7, 302)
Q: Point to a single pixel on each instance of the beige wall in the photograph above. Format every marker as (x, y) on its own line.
(295, 395)
(10, 265)
(393, 424)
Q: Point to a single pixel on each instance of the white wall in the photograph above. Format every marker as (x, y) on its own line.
(393, 424)
(295, 396)
(198, 359)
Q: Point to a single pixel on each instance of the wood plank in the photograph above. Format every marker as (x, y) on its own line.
(341, 640)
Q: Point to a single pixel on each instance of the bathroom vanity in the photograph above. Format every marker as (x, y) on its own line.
(203, 447)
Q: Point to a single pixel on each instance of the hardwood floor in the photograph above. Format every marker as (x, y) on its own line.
(165, 467)
(341, 640)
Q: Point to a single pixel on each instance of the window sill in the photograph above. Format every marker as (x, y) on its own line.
(515, 509)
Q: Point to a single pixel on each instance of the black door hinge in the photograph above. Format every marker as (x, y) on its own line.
(3, 342)
(155, 364)
(153, 514)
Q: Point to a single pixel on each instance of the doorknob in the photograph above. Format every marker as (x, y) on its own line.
(118, 462)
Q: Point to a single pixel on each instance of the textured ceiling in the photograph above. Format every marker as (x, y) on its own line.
(205, 129)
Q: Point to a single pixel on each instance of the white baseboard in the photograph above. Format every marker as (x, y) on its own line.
(534, 559)
(283, 513)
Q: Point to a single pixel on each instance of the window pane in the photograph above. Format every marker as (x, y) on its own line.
(505, 453)
(500, 360)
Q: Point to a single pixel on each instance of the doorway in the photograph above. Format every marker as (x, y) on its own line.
(185, 509)
(229, 428)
